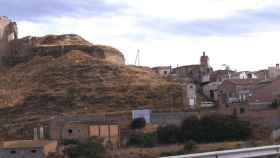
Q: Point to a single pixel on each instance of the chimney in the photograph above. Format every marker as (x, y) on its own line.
(204, 54)
(277, 66)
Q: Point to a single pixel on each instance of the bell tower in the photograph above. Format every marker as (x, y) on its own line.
(204, 60)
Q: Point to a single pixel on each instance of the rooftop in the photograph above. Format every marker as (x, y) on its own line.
(26, 144)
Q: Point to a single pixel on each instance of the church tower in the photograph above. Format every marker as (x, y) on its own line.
(204, 60)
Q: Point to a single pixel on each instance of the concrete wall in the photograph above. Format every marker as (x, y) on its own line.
(22, 153)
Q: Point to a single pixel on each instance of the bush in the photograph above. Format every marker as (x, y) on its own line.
(69, 142)
(190, 146)
(190, 127)
(169, 134)
(138, 123)
(275, 104)
(215, 128)
(89, 149)
(143, 140)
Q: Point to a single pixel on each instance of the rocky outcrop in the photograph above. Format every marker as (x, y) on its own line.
(23, 50)
(8, 29)
(8, 32)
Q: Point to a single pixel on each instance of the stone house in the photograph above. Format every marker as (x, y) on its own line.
(162, 70)
(211, 90)
(82, 131)
(198, 73)
(28, 149)
(236, 90)
(220, 75)
(234, 95)
(190, 99)
(265, 93)
(274, 72)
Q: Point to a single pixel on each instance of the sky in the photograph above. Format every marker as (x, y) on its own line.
(243, 34)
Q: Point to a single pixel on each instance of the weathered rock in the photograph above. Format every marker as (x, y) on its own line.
(8, 32)
(8, 29)
(23, 50)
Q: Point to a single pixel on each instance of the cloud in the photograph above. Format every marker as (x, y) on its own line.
(34, 10)
(244, 22)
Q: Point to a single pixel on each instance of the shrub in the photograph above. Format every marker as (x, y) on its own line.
(275, 104)
(138, 123)
(215, 128)
(143, 140)
(190, 146)
(190, 127)
(69, 142)
(169, 134)
(89, 149)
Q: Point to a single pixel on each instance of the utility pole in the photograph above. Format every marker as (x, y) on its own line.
(137, 59)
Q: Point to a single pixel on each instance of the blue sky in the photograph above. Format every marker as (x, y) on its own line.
(241, 33)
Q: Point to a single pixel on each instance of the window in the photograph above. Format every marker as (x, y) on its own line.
(70, 131)
(242, 110)
(165, 72)
(13, 152)
(33, 151)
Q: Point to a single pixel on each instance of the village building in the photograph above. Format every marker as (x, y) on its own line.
(82, 131)
(190, 93)
(234, 95)
(85, 128)
(274, 72)
(244, 75)
(265, 93)
(163, 70)
(237, 90)
(28, 149)
(211, 90)
(220, 75)
(262, 74)
(198, 73)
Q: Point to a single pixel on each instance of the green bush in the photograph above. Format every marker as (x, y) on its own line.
(275, 104)
(143, 140)
(138, 123)
(89, 149)
(190, 146)
(215, 128)
(169, 134)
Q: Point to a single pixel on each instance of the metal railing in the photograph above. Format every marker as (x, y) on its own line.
(237, 153)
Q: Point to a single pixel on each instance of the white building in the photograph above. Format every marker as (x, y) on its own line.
(244, 75)
(190, 98)
(145, 113)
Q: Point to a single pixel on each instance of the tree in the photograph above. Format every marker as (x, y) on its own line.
(89, 149)
(138, 123)
(169, 134)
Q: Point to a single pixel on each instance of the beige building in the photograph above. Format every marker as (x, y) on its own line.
(28, 149)
(83, 131)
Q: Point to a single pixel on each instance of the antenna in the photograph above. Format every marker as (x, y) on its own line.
(137, 59)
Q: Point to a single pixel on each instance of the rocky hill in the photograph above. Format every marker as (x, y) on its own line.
(83, 78)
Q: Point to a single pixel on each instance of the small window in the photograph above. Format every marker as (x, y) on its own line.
(165, 72)
(33, 151)
(70, 131)
(242, 110)
(13, 152)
